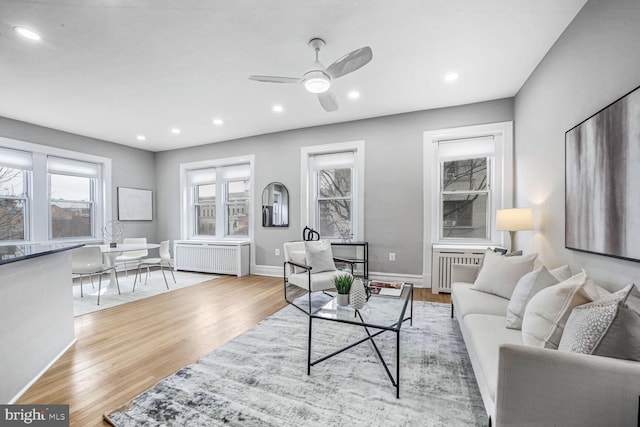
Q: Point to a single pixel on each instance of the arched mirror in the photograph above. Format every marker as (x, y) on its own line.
(275, 205)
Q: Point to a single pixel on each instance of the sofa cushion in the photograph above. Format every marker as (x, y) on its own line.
(486, 333)
(467, 300)
(561, 273)
(528, 285)
(548, 310)
(500, 274)
(319, 281)
(607, 327)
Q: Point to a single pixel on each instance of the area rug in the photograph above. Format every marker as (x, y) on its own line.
(110, 298)
(260, 379)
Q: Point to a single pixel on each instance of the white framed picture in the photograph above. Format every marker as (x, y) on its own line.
(135, 204)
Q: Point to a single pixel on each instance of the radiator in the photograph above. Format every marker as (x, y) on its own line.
(212, 257)
(441, 264)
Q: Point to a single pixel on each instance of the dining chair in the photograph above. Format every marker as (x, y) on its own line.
(87, 261)
(132, 255)
(164, 261)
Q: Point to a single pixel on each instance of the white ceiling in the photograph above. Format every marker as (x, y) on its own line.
(114, 69)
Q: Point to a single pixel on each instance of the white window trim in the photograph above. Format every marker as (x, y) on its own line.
(306, 154)
(502, 198)
(186, 220)
(39, 187)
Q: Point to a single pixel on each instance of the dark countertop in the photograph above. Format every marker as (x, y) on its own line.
(13, 253)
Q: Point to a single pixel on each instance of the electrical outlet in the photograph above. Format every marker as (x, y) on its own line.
(392, 256)
(277, 252)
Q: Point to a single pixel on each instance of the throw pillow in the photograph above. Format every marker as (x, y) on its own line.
(528, 285)
(299, 258)
(548, 310)
(319, 256)
(561, 273)
(607, 327)
(499, 274)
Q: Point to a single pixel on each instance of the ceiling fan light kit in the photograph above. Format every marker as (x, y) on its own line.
(319, 79)
(316, 82)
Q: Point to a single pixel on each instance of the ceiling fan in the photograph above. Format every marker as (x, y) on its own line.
(318, 79)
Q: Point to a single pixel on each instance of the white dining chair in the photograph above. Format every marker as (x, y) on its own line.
(132, 255)
(87, 261)
(164, 261)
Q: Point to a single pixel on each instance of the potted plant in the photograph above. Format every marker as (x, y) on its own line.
(342, 283)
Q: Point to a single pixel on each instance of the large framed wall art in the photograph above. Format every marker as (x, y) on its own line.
(135, 204)
(602, 181)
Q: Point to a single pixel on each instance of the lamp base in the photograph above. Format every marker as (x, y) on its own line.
(512, 234)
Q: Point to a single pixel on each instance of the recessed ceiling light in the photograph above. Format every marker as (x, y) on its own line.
(278, 108)
(354, 94)
(176, 131)
(141, 138)
(451, 77)
(27, 33)
(218, 122)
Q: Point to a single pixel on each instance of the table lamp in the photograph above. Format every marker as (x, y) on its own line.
(512, 220)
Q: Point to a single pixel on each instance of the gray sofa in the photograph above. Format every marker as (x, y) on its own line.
(529, 386)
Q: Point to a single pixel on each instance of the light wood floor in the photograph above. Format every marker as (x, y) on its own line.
(122, 351)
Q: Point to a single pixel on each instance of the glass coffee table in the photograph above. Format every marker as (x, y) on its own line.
(381, 313)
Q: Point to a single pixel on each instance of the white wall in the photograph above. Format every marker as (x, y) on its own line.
(595, 61)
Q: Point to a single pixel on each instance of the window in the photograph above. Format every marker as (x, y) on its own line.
(237, 202)
(333, 184)
(218, 199)
(14, 195)
(470, 178)
(465, 198)
(71, 198)
(51, 194)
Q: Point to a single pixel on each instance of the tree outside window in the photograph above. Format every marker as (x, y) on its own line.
(465, 198)
(334, 202)
(13, 202)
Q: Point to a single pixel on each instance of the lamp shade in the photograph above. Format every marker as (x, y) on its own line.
(517, 219)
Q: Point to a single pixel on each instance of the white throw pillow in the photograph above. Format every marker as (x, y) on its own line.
(299, 258)
(561, 273)
(319, 256)
(500, 274)
(528, 285)
(607, 327)
(548, 310)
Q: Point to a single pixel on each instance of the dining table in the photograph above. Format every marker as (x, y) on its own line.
(111, 253)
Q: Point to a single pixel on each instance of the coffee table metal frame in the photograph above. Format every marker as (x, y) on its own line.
(359, 321)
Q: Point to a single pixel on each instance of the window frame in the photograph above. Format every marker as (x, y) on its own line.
(488, 191)
(91, 202)
(502, 179)
(187, 196)
(38, 187)
(308, 184)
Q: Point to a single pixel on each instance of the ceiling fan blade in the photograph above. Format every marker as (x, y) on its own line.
(350, 62)
(328, 101)
(275, 79)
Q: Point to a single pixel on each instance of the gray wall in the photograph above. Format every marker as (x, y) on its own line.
(131, 167)
(393, 178)
(592, 64)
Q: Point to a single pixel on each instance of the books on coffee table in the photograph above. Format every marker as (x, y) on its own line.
(389, 289)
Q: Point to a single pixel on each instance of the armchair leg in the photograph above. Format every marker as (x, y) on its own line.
(99, 288)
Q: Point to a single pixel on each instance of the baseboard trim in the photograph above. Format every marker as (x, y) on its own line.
(267, 270)
(41, 373)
